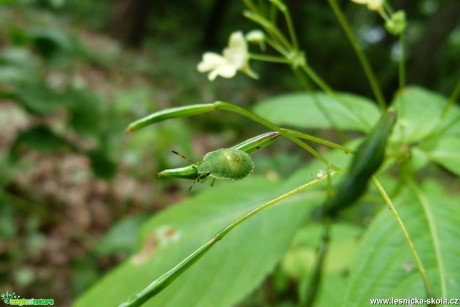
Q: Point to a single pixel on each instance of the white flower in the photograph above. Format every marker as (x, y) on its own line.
(373, 5)
(235, 57)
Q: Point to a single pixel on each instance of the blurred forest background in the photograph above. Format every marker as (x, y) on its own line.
(74, 188)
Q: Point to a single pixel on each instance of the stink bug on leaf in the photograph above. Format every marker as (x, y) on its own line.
(225, 163)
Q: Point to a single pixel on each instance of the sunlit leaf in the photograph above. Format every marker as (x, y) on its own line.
(447, 153)
(346, 111)
(234, 267)
(419, 114)
(385, 268)
(119, 238)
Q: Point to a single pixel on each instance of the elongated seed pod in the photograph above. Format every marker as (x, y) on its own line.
(170, 113)
(257, 143)
(369, 157)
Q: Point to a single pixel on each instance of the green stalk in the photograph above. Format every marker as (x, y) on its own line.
(287, 17)
(432, 229)
(315, 281)
(269, 28)
(251, 6)
(361, 56)
(269, 58)
(220, 105)
(310, 72)
(163, 281)
(413, 250)
(305, 136)
(318, 104)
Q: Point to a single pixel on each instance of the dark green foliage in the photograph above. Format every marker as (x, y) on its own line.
(40, 138)
(39, 99)
(103, 166)
(24, 76)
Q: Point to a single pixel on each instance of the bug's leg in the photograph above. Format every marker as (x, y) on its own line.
(201, 176)
(212, 181)
(183, 157)
(193, 183)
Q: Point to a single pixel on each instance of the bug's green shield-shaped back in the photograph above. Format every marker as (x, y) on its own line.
(226, 163)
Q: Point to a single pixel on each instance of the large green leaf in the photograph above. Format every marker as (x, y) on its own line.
(348, 112)
(299, 261)
(447, 153)
(420, 114)
(119, 238)
(385, 268)
(233, 268)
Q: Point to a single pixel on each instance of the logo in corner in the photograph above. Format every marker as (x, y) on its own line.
(7, 297)
(11, 298)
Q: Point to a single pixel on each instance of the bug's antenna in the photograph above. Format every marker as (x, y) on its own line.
(183, 157)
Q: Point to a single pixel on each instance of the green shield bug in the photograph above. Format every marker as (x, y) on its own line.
(244, 164)
(225, 163)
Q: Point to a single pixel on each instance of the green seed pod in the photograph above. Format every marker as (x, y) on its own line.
(369, 157)
(371, 153)
(187, 172)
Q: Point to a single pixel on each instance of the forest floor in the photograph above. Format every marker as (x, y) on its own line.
(59, 221)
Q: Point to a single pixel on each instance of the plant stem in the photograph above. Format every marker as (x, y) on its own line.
(269, 28)
(408, 238)
(269, 58)
(163, 281)
(361, 56)
(432, 229)
(315, 281)
(220, 105)
(287, 16)
(305, 136)
(251, 6)
(327, 89)
(318, 104)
